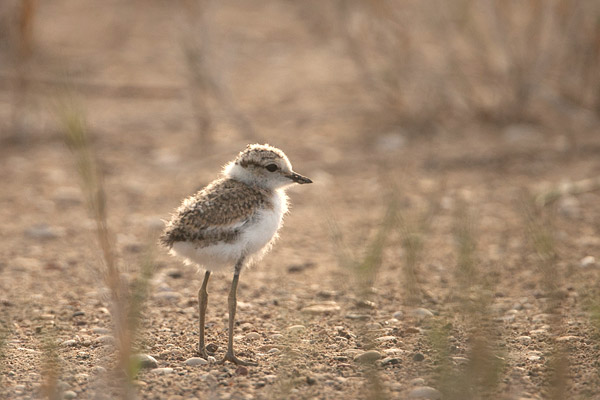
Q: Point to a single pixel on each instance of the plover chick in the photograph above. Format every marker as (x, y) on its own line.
(232, 222)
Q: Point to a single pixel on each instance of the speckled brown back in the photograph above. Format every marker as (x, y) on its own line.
(215, 213)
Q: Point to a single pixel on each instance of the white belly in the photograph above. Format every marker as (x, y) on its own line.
(254, 241)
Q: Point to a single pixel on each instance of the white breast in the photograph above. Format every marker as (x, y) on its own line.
(259, 236)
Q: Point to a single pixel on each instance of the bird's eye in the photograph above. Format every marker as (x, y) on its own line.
(271, 167)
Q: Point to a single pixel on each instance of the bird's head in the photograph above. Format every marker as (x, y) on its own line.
(265, 166)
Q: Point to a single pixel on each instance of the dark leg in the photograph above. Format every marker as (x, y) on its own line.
(232, 303)
(202, 303)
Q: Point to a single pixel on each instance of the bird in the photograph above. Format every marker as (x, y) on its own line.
(232, 223)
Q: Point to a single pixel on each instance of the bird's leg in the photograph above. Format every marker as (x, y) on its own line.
(202, 303)
(232, 303)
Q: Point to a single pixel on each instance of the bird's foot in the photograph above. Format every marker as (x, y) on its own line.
(229, 356)
(204, 352)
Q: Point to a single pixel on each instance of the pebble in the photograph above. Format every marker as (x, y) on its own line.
(393, 351)
(418, 357)
(506, 318)
(212, 348)
(67, 343)
(323, 308)
(524, 339)
(569, 206)
(359, 317)
(105, 340)
(247, 326)
(540, 318)
(195, 361)
(168, 296)
(417, 382)
(67, 195)
(145, 361)
(296, 328)
(390, 361)
(366, 304)
(98, 369)
(69, 394)
(101, 331)
(43, 231)
(274, 350)
(425, 392)
(252, 336)
(522, 134)
(163, 371)
(398, 314)
(386, 339)
(373, 326)
(173, 273)
(587, 261)
(368, 357)
(278, 336)
(569, 338)
(390, 142)
(421, 313)
(26, 263)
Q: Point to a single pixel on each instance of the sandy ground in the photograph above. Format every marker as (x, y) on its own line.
(303, 315)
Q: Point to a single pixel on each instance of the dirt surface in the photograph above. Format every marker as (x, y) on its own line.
(303, 315)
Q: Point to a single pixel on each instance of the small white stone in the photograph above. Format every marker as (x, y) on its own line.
(163, 371)
(145, 361)
(43, 231)
(385, 338)
(252, 336)
(69, 394)
(373, 326)
(67, 343)
(195, 361)
(587, 261)
(323, 308)
(421, 313)
(568, 338)
(425, 392)
(524, 339)
(296, 328)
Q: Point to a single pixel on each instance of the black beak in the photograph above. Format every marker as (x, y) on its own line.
(299, 178)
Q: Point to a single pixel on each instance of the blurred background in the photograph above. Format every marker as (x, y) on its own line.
(472, 125)
(362, 70)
